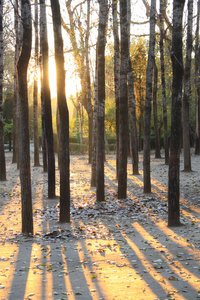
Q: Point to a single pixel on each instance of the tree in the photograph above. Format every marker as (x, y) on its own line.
(155, 114)
(197, 81)
(2, 151)
(16, 94)
(186, 95)
(47, 102)
(94, 141)
(162, 65)
(123, 105)
(64, 115)
(131, 97)
(147, 117)
(8, 119)
(79, 41)
(35, 93)
(25, 172)
(175, 143)
(103, 12)
(116, 76)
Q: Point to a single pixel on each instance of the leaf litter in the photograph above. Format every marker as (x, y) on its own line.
(98, 222)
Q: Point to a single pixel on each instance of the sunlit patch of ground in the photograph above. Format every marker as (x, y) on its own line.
(110, 250)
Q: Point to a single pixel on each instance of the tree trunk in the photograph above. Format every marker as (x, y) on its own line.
(175, 142)
(147, 117)
(25, 172)
(197, 82)
(47, 102)
(64, 115)
(35, 92)
(162, 65)
(15, 158)
(156, 130)
(186, 95)
(123, 106)
(131, 96)
(103, 12)
(58, 135)
(94, 142)
(116, 76)
(2, 151)
(90, 109)
(44, 144)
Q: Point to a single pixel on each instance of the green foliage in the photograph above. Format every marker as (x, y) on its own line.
(8, 117)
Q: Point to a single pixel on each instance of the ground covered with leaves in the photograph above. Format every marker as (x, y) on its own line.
(110, 250)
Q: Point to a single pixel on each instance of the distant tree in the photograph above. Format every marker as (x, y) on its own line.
(162, 65)
(2, 151)
(116, 75)
(79, 41)
(155, 113)
(175, 142)
(8, 118)
(64, 115)
(103, 14)
(35, 92)
(47, 102)
(187, 91)
(94, 141)
(15, 158)
(123, 105)
(147, 117)
(25, 172)
(132, 109)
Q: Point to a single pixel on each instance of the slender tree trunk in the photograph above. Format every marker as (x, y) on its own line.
(147, 117)
(175, 142)
(116, 76)
(197, 82)
(162, 65)
(186, 95)
(64, 115)
(35, 92)
(2, 151)
(47, 103)
(103, 12)
(58, 135)
(94, 142)
(90, 109)
(15, 158)
(131, 96)
(123, 106)
(25, 172)
(155, 114)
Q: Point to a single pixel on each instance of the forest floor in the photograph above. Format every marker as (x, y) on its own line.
(113, 250)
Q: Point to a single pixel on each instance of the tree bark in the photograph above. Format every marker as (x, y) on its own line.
(2, 151)
(175, 142)
(116, 76)
(25, 172)
(131, 97)
(64, 115)
(47, 103)
(162, 65)
(197, 82)
(186, 95)
(147, 117)
(155, 114)
(15, 158)
(90, 109)
(103, 12)
(35, 92)
(123, 106)
(94, 141)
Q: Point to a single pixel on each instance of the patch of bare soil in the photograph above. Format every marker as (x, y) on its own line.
(110, 250)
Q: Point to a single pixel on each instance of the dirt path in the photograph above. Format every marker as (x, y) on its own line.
(114, 250)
